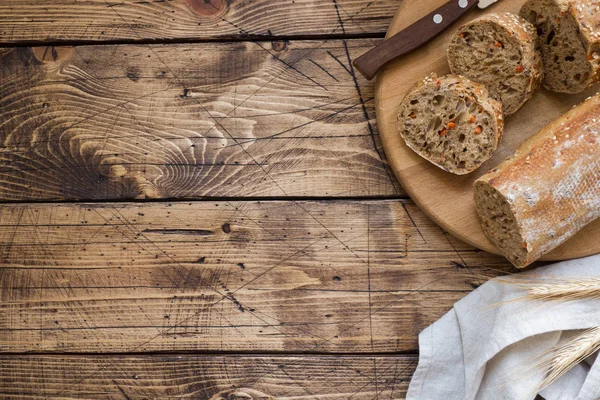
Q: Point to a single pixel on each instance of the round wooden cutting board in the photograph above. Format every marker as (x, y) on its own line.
(448, 199)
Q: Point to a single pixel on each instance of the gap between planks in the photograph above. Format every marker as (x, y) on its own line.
(233, 39)
(261, 199)
(224, 353)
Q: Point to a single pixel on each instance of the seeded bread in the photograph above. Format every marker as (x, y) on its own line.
(540, 197)
(499, 50)
(451, 122)
(569, 39)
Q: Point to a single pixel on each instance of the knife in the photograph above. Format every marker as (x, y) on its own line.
(415, 35)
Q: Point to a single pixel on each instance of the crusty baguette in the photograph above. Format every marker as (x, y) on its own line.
(451, 122)
(550, 189)
(499, 50)
(569, 39)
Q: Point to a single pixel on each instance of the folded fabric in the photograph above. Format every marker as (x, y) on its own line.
(486, 346)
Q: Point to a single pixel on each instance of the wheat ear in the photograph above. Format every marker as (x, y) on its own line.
(559, 289)
(561, 358)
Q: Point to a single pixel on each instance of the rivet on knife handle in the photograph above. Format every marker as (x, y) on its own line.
(412, 37)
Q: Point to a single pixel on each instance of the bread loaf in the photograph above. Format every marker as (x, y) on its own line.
(540, 197)
(569, 39)
(499, 50)
(452, 122)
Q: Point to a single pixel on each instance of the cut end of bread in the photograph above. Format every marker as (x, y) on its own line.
(499, 223)
(451, 122)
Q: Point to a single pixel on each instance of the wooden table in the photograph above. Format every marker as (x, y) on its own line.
(197, 205)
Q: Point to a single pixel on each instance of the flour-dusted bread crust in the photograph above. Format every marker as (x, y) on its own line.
(499, 50)
(550, 189)
(569, 39)
(451, 122)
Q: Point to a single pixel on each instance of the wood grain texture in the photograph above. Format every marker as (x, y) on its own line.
(446, 198)
(154, 121)
(205, 377)
(24, 21)
(332, 276)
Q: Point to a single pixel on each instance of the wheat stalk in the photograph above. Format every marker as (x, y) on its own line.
(558, 289)
(561, 358)
(571, 289)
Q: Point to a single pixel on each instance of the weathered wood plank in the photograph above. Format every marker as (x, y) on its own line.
(102, 20)
(204, 120)
(205, 377)
(284, 276)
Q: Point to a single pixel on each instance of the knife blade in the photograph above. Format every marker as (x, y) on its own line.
(415, 35)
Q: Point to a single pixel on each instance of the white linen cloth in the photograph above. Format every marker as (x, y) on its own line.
(485, 348)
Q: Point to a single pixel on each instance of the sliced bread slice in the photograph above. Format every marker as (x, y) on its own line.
(499, 50)
(452, 122)
(569, 39)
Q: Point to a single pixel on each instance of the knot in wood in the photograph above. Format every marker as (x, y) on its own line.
(117, 171)
(279, 45)
(209, 8)
(52, 56)
(241, 394)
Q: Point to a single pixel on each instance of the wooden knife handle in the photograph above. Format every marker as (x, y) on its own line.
(412, 37)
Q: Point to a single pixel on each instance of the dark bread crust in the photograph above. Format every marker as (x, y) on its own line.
(499, 51)
(452, 122)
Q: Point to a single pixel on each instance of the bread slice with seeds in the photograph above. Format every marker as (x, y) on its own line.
(452, 122)
(569, 39)
(499, 50)
(544, 194)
